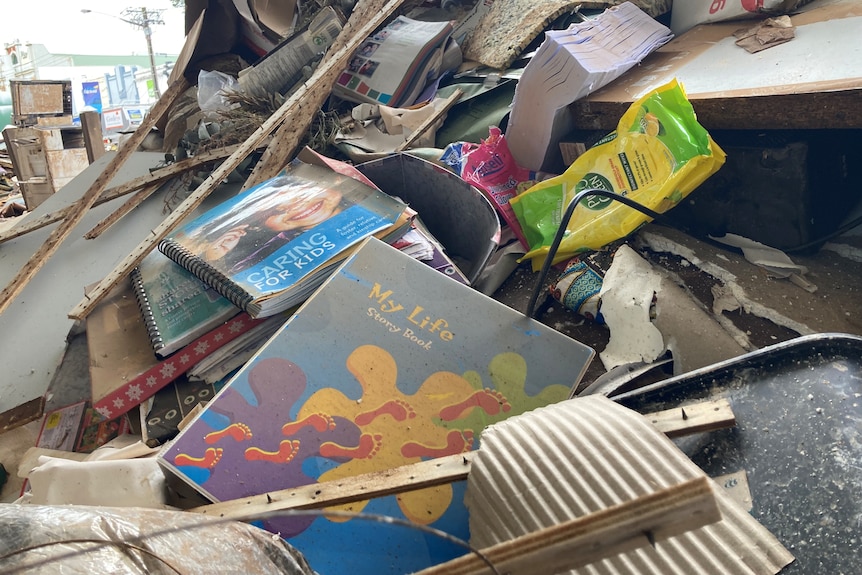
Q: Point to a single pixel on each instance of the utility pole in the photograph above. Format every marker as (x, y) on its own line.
(143, 18)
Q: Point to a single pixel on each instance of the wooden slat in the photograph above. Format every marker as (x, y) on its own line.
(694, 418)
(26, 412)
(94, 142)
(52, 244)
(127, 207)
(596, 536)
(290, 112)
(359, 488)
(155, 177)
(286, 140)
(704, 416)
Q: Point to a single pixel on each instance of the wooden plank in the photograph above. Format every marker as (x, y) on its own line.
(836, 110)
(127, 207)
(359, 488)
(35, 263)
(286, 140)
(155, 177)
(22, 414)
(94, 142)
(703, 416)
(596, 536)
(296, 105)
(694, 418)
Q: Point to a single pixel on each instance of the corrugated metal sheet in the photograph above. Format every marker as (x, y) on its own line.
(586, 454)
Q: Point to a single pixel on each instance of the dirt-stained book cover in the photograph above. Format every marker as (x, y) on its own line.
(388, 363)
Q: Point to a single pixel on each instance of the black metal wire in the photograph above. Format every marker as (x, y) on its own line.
(561, 231)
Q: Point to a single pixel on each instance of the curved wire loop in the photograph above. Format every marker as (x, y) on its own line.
(561, 231)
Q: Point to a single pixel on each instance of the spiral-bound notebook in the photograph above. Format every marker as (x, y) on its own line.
(176, 306)
(268, 248)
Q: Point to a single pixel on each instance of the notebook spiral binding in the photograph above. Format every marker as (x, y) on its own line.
(207, 274)
(146, 310)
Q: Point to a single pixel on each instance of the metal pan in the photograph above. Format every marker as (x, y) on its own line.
(798, 407)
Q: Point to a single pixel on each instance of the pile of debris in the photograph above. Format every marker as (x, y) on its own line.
(594, 172)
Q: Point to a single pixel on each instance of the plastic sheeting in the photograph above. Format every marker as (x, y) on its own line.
(58, 540)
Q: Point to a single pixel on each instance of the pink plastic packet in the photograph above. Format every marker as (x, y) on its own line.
(492, 169)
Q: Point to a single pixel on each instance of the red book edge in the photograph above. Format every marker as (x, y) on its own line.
(145, 385)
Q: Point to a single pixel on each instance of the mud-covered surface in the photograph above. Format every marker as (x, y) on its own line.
(516, 292)
(770, 310)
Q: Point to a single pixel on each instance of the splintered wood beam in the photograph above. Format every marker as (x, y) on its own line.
(286, 140)
(290, 112)
(164, 173)
(79, 208)
(585, 540)
(359, 488)
(156, 176)
(694, 418)
(127, 207)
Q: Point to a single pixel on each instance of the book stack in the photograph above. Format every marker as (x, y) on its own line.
(389, 362)
(124, 368)
(268, 248)
(176, 306)
(216, 290)
(569, 65)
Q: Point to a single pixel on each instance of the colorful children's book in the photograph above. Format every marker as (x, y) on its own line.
(389, 362)
(266, 249)
(177, 307)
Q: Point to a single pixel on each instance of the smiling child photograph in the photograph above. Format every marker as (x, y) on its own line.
(269, 217)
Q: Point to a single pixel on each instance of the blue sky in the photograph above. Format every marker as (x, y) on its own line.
(62, 28)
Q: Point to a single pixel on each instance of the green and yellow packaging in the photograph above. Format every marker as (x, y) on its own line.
(657, 155)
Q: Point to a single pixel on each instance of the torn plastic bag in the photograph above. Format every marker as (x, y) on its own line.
(39, 539)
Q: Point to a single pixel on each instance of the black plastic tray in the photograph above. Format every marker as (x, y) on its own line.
(798, 407)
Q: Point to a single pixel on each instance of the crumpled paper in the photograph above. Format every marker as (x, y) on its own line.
(766, 34)
(774, 261)
(378, 128)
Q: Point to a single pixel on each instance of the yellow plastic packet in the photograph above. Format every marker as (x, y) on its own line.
(657, 155)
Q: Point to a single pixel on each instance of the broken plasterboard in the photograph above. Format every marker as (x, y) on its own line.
(633, 291)
(35, 326)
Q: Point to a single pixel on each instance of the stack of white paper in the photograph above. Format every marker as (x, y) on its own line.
(569, 65)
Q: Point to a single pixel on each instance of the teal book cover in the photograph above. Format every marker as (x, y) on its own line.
(268, 247)
(388, 363)
(177, 307)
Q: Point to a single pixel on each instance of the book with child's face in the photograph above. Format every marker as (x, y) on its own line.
(267, 248)
(388, 363)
